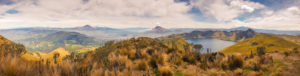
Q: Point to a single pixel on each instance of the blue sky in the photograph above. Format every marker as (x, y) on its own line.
(263, 14)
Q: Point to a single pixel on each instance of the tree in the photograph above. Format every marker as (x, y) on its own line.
(55, 56)
(198, 47)
(251, 54)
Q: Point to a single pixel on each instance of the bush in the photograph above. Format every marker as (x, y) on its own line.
(165, 71)
(175, 59)
(254, 44)
(198, 47)
(203, 65)
(189, 58)
(235, 62)
(142, 65)
(224, 66)
(260, 51)
(153, 63)
(286, 53)
(295, 50)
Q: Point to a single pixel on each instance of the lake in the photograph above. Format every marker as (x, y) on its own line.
(214, 44)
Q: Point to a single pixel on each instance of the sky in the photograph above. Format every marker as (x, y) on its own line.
(261, 14)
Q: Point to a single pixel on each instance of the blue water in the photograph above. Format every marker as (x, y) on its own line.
(213, 44)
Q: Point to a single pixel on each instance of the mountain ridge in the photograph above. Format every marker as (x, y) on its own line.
(223, 35)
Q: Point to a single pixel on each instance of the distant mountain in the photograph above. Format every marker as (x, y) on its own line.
(68, 37)
(155, 32)
(271, 43)
(71, 41)
(268, 31)
(86, 27)
(223, 35)
(159, 29)
(242, 28)
(25, 33)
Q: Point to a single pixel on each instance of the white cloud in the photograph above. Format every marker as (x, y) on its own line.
(285, 19)
(146, 13)
(98, 12)
(226, 10)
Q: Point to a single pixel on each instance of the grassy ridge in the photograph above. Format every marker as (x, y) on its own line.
(270, 42)
(291, 38)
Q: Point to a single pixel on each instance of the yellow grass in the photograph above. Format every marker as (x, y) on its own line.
(30, 57)
(270, 42)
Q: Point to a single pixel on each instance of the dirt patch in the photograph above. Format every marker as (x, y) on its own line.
(294, 57)
(276, 55)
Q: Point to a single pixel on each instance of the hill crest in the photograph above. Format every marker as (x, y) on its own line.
(270, 42)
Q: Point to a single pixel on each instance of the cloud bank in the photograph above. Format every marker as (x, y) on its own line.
(148, 13)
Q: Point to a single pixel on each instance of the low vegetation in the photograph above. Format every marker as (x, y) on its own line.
(270, 43)
(150, 57)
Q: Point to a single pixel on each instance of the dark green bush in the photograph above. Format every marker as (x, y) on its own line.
(235, 62)
(260, 51)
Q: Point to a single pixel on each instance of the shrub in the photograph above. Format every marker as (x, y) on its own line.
(103, 52)
(198, 47)
(254, 44)
(295, 50)
(286, 53)
(224, 66)
(238, 72)
(235, 62)
(165, 71)
(189, 58)
(142, 65)
(260, 51)
(153, 63)
(175, 59)
(203, 65)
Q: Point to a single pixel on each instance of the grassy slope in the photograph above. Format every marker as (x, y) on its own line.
(35, 56)
(62, 53)
(177, 43)
(4, 40)
(263, 40)
(30, 57)
(290, 38)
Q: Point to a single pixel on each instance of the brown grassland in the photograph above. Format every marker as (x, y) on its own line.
(147, 57)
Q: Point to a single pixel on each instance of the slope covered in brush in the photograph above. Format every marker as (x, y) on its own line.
(9, 47)
(270, 43)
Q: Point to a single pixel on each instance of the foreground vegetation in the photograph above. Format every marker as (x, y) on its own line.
(148, 57)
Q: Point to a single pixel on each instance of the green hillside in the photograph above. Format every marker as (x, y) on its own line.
(271, 43)
(71, 41)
